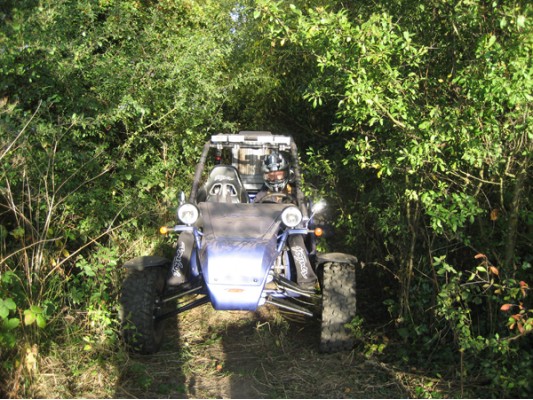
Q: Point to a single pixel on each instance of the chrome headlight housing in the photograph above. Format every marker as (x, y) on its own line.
(188, 213)
(291, 216)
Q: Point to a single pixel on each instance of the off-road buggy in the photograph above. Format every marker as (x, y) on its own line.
(233, 252)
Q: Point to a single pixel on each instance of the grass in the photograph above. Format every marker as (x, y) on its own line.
(214, 354)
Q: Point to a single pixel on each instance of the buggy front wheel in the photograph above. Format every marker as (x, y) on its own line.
(338, 307)
(141, 292)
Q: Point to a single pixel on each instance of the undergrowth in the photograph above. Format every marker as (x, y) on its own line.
(474, 341)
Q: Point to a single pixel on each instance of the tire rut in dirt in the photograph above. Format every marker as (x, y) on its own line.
(338, 307)
(140, 290)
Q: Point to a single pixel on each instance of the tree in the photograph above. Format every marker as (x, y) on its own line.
(103, 107)
(434, 112)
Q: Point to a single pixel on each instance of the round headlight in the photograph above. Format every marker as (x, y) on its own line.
(291, 216)
(188, 213)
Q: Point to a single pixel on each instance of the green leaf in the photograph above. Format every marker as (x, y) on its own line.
(521, 21)
(424, 125)
(8, 340)
(10, 304)
(503, 23)
(7, 277)
(12, 323)
(29, 317)
(41, 321)
(36, 309)
(18, 233)
(88, 270)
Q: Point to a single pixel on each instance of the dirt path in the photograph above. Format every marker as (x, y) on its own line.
(210, 354)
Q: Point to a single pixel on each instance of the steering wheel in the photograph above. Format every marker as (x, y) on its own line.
(277, 198)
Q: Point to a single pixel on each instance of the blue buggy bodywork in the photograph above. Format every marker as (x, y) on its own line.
(240, 246)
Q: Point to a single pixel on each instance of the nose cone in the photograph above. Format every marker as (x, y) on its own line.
(238, 250)
(235, 271)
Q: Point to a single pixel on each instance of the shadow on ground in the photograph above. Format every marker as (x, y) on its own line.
(158, 375)
(283, 362)
(251, 355)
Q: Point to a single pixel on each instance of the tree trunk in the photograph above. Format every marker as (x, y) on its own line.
(513, 218)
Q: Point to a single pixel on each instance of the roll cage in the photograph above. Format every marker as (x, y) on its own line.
(246, 151)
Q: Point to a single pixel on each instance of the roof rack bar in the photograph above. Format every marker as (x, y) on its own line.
(252, 139)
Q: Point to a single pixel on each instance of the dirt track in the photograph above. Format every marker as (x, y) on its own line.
(209, 354)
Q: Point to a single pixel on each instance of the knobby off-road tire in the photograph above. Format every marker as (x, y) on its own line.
(338, 307)
(140, 290)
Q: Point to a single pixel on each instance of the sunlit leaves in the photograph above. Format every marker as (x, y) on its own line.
(6, 306)
(35, 314)
(9, 321)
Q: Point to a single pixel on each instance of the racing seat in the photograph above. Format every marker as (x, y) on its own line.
(224, 185)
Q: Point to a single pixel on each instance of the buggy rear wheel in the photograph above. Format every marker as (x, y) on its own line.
(338, 307)
(141, 292)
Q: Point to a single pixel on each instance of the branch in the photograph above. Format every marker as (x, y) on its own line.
(382, 108)
(29, 246)
(513, 338)
(21, 132)
(92, 241)
(385, 268)
(467, 176)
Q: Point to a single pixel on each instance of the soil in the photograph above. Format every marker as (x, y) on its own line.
(224, 354)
